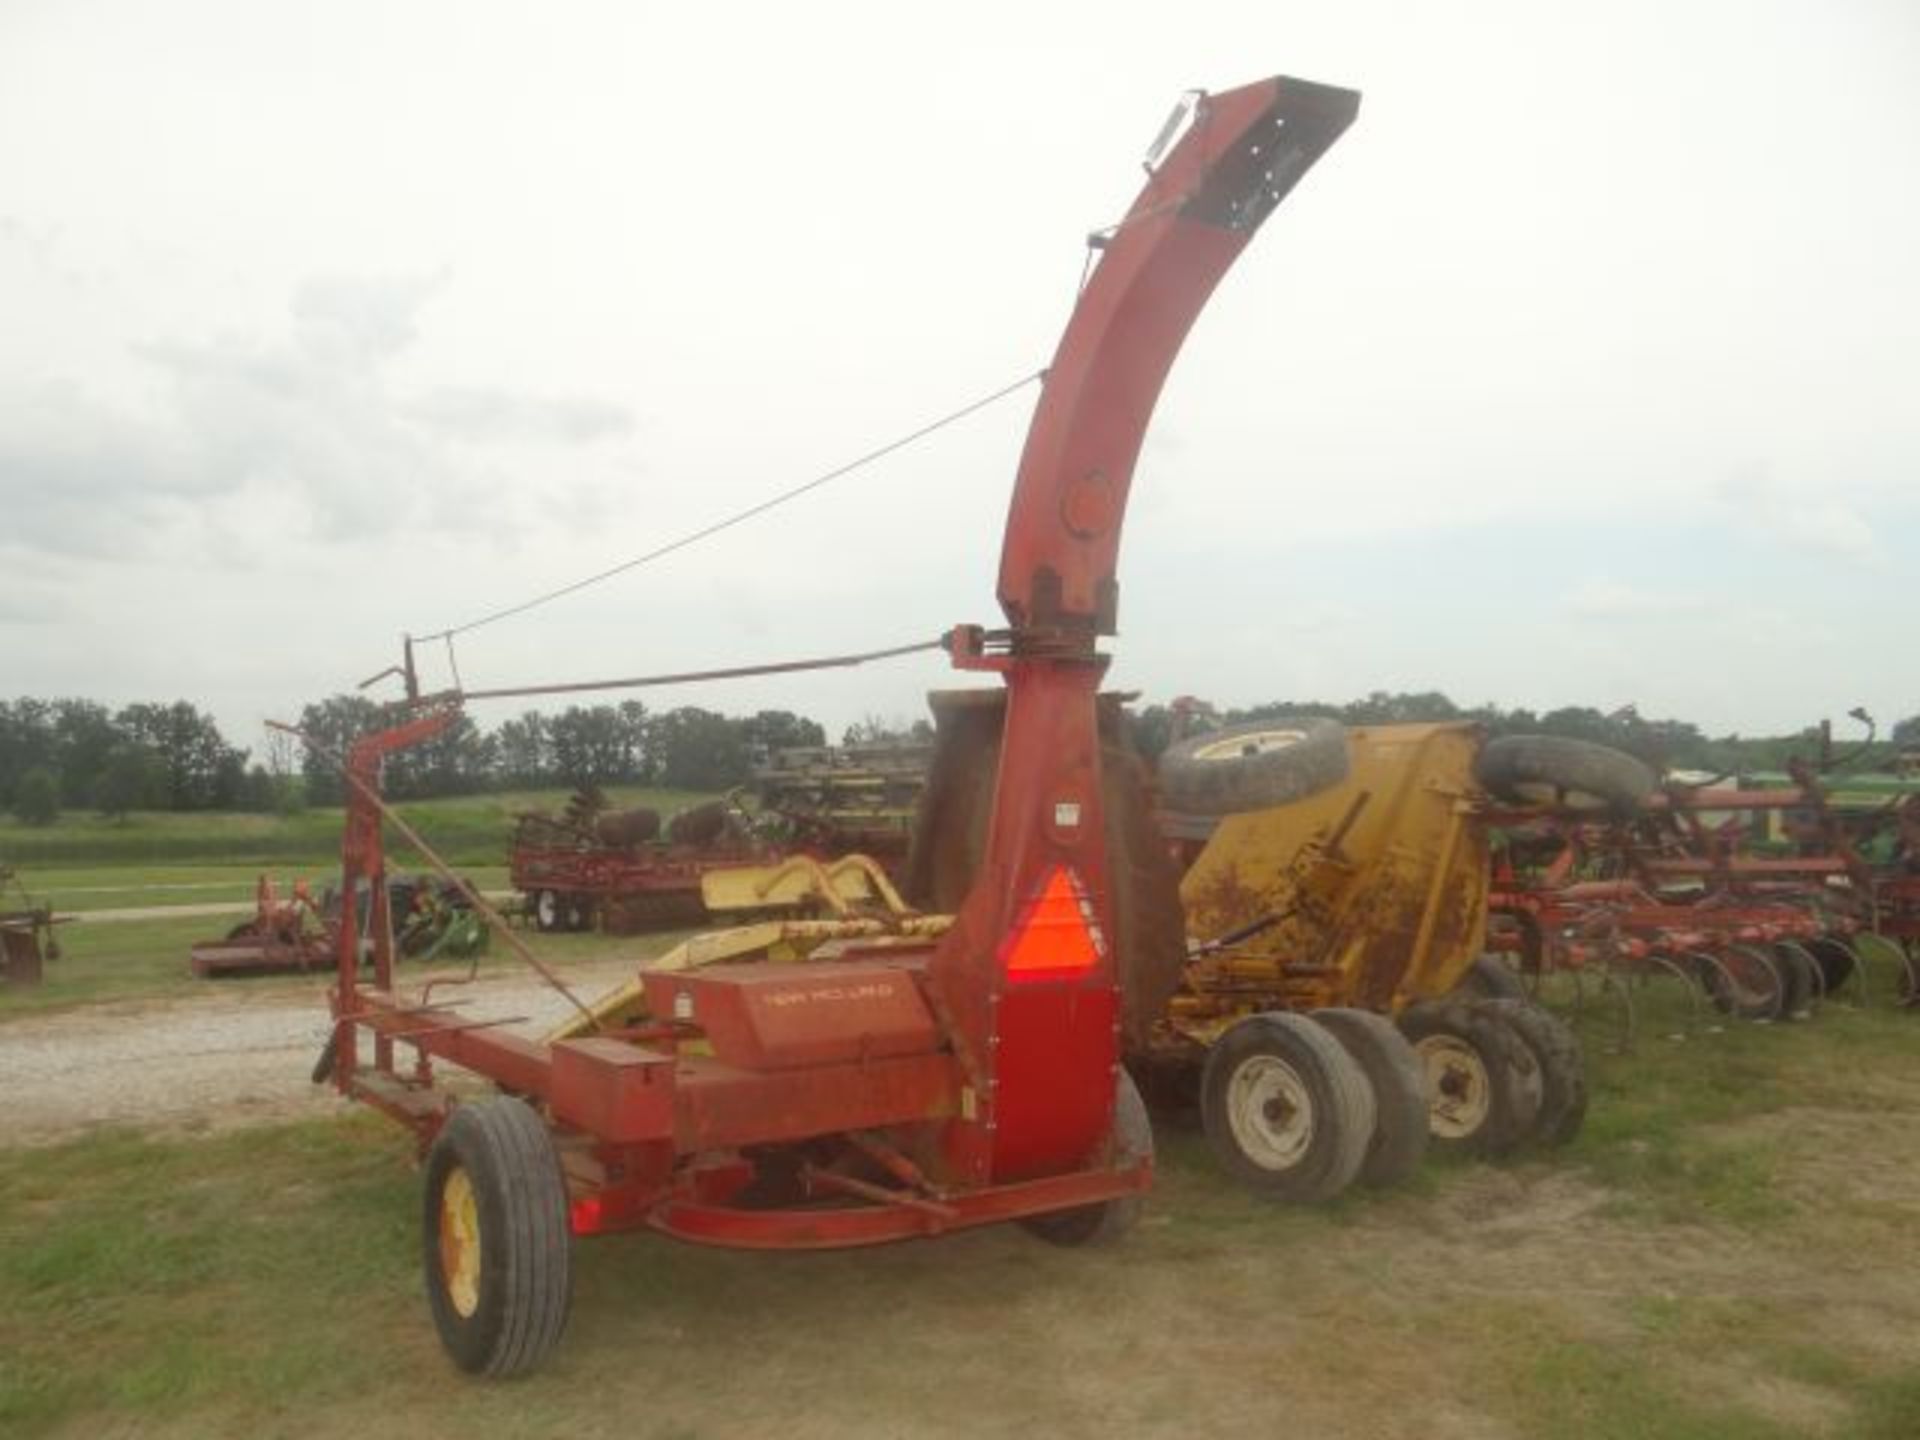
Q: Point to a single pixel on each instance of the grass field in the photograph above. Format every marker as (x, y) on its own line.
(84, 865)
(1724, 1253)
(469, 830)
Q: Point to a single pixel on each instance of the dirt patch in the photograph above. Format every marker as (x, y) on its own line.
(214, 1060)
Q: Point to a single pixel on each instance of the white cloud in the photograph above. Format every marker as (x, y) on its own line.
(1611, 600)
(1820, 524)
(307, 427)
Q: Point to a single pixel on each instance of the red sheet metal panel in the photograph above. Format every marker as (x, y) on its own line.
(614, 1090)
(718, 1105)
(781, 1017)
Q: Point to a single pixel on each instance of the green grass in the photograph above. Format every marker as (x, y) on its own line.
(266, 1281)
(1716, 1256)
(468, 830)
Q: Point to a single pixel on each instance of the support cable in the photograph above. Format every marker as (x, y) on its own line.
(734, 672)
(749, 513)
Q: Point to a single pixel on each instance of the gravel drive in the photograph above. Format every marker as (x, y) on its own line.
(214, 1061)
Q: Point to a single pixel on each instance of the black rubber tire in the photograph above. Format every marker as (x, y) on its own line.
(1399, 1084)
(579, 913)
(1107, 1222)
(1491, 978)
(1463, 1050)
(1253, 766)
(1340, 1105)
(699, 825)
(525, 1273)
(548, 908)
(1556, 770)
(1799, 974)
(950, 834)
(1836, 961)
(1758, 991)
(1562, 1065)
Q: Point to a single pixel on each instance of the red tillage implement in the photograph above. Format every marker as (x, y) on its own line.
(905, 1086)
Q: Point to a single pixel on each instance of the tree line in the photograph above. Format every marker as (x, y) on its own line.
(72, 754)
(58, 755)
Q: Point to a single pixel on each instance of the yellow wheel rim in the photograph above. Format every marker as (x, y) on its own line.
(460, 1242)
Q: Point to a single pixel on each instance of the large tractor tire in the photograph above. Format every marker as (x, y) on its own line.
(495, 1242)
(1399, 1085)
(1554, 770)
(1287, 1111)
(1483, 1087)
(699, 826)
(549, 908)
(1491, 978)
(1561, 1065)
(1253, 766)
(950, 835)
(1107, 1222)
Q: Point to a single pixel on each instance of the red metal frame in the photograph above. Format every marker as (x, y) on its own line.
(972, 1079)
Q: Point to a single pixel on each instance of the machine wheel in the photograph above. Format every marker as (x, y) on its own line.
(578, 910)
(495, 1243)
(549, 911)
(1286, 1109)
(1554, 770)
(1491, 978)
(1399, 1086)
(1744, 983)
(1105, 1223)
(1483, 1088)
(1253, 766)
(1562, 1066)
(1799, 980)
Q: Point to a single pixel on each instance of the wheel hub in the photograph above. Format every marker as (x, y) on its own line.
(1269, 1112)
(1461, 1091)
(1257, 743)
(460, 1242)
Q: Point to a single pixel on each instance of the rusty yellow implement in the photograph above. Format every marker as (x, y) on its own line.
(1373, 892)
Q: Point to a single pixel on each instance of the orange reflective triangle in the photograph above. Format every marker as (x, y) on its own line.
(1054, 937)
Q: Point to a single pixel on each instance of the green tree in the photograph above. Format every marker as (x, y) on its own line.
(454, 762)
(36, 799)
(595, 745)
(26, 743)
(203, 771)
(698, 749)
(132, 778)
(336, 722)
(769, 730)
(84, 740)
(522, 750)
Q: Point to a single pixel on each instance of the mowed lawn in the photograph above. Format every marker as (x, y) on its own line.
(84, 865)
(467, 830)
(1725, 1252)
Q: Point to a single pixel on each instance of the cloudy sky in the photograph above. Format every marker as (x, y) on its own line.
(1585, 369)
